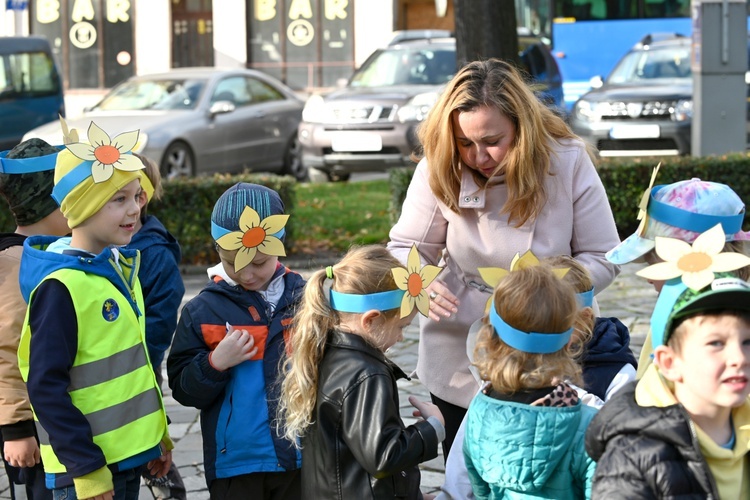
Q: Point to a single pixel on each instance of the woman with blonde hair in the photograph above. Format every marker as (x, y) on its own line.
(525, 430)
(339, 396)
(500, 174)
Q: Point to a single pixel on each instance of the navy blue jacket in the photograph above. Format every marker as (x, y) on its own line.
(605, 355)
(161, 283)
(238, 406)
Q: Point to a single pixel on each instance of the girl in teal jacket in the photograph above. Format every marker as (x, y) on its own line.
(525, 429)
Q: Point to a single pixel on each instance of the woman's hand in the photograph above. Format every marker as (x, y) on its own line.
(442, 302)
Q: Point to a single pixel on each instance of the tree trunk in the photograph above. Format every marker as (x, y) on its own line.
(485, 29)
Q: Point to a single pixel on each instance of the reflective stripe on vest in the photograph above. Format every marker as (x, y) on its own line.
(111, 380)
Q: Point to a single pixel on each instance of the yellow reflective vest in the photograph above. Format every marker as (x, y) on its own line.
(111, 380)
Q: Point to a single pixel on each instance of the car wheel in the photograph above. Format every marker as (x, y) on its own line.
(178, 161)
(338, 177)
(293, 160)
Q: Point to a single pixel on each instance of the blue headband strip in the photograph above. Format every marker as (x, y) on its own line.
(352, 303)
(70, 180)
(531, 342)
(217, 231)
(26, 165)
(691, 221)
(585, 299)
(668, 296)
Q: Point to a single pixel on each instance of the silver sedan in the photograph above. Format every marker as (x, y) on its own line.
(201, 120)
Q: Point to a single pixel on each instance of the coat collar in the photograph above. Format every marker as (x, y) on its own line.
(345, 340)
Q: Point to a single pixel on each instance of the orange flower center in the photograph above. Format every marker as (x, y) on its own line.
(694, 262)
(414, 284)
(107, 154)
(253, 237)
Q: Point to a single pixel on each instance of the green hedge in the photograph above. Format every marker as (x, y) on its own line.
(626, 179)
(185, 210)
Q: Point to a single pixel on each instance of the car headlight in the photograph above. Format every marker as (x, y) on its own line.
(142, 141)
(683, 110)
(314, 110)
(586, 111)
(417, 108)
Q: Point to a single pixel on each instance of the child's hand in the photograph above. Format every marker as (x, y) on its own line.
(110, 495)
(159, 467)
(236, 347)
(22, 452)
(425, 409)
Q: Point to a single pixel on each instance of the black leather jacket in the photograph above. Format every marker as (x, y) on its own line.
(358, 447)
(646, 452)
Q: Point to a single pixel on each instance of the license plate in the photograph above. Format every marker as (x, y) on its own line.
(356, 141)
(650, 131)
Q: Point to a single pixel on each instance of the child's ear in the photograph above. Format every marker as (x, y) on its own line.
(668, 362)
(371, 319)
(587, 314)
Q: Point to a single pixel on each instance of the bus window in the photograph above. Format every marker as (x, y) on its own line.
(30, 87)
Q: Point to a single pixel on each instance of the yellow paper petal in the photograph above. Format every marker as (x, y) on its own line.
(429, 273)
(729, 261)
(82, 150)
(407, 305)
(244, 257)
(129, 163)
(711, 242)
(413, 262)
(560, 272)
(528, 259)
(662, 271)
(126, 141)
(274, 223)
(97, 136)
(249, 219)
(272, 246)
(69, 135)
(230, 241)
(671, 249)
(488, 305)
(698, 280)
(423, 303)
(101, 172)
(492, 275)
(401, 277)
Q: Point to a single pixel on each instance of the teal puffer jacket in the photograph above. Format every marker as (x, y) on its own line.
(515, 450)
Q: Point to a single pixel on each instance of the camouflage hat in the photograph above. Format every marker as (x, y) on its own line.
(29, 194)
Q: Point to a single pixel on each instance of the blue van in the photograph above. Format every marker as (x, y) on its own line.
(31, 90)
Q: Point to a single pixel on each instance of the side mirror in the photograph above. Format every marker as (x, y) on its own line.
(596, 82)
(221, 108)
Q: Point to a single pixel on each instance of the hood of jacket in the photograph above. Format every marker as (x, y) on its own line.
(520, 446)
(37, 263)
(656, 415)
(605, 354)
(152, 233)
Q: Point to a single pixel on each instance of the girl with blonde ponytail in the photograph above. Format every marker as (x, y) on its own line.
(339, 399)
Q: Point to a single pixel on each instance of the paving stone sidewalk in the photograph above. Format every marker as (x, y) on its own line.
(629, 298)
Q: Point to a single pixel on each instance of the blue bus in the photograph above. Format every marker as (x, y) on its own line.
(31, 89)
(589, 36)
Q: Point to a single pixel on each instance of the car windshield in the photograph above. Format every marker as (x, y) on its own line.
(406, 66)
(661, 63)
(153, 94)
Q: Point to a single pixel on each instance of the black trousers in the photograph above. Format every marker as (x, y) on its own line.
(259, 485)
(453, 416)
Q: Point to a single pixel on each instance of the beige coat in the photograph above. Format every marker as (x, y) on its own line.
(576, 220)
(14, 400)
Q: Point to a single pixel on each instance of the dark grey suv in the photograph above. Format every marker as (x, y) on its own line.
(369, 125)
(645, 106)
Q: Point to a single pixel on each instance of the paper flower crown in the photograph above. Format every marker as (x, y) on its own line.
(531, 342)
(687, 266)
(101, 156)
(254, 236)
(411, 282)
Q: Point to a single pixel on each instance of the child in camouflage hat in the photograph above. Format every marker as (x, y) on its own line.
(26, 181)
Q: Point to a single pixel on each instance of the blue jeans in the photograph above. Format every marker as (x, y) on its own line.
(127, 486)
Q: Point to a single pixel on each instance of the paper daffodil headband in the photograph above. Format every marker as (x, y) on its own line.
(254, 236)
(411, 282)
(493, 275)
(26, 165)
(687, 266)
(100, 157)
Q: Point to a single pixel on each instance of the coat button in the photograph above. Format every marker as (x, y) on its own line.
(467, 198)
(403, 474)
(476, 198)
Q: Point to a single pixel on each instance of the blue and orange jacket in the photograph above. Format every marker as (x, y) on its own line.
(238, 406)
